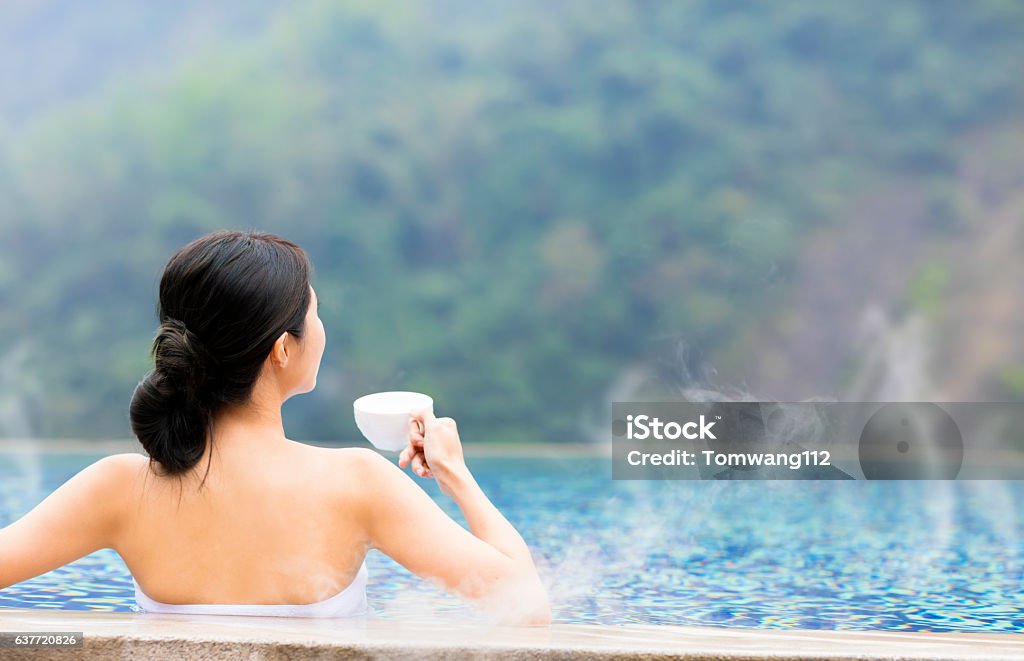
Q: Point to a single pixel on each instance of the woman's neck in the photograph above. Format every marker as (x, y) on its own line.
(254, 426)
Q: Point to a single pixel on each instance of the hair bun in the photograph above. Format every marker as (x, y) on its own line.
(183, 360)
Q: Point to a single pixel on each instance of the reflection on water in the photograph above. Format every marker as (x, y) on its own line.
(940, 556)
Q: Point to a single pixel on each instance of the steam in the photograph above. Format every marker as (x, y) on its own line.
(895, 358)
(894, 362)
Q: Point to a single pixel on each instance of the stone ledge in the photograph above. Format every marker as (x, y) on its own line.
(155, 636)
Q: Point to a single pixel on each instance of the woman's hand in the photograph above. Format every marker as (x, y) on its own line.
(434, 448)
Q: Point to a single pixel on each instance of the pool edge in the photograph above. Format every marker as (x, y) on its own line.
(151, 636)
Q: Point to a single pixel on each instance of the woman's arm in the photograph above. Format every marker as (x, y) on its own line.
(491, 566)
(82, 516)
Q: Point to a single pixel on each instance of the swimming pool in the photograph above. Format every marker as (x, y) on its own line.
(853, 555)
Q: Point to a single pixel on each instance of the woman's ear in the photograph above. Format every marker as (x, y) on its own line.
(279, 353)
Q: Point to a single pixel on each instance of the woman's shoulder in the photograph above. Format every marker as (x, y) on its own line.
(337, 460)
(123, 465)
(357, 471)
(339, 454)
(351, 479)
(125, 473)
(352, 462)
(348, 456)
(125, 460)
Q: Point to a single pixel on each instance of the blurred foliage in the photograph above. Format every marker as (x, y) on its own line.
(928, 288)
(1013, 378)
(508, 204)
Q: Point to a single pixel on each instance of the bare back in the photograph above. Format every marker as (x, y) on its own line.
(264, 529)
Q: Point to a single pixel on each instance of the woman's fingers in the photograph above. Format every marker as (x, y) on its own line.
(419, 465)
(412, 455)
(423, 417)
(415, 431)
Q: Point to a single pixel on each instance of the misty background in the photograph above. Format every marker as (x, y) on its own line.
(524, 209)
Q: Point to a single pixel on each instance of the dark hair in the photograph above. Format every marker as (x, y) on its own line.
(225, 298)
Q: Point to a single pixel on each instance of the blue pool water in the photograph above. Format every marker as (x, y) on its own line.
(924, 556)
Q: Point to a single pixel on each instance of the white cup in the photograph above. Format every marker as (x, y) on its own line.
(383, 417)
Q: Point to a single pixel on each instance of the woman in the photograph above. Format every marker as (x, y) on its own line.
(227, 515)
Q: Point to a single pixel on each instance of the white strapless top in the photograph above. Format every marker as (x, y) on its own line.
(349, 602)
